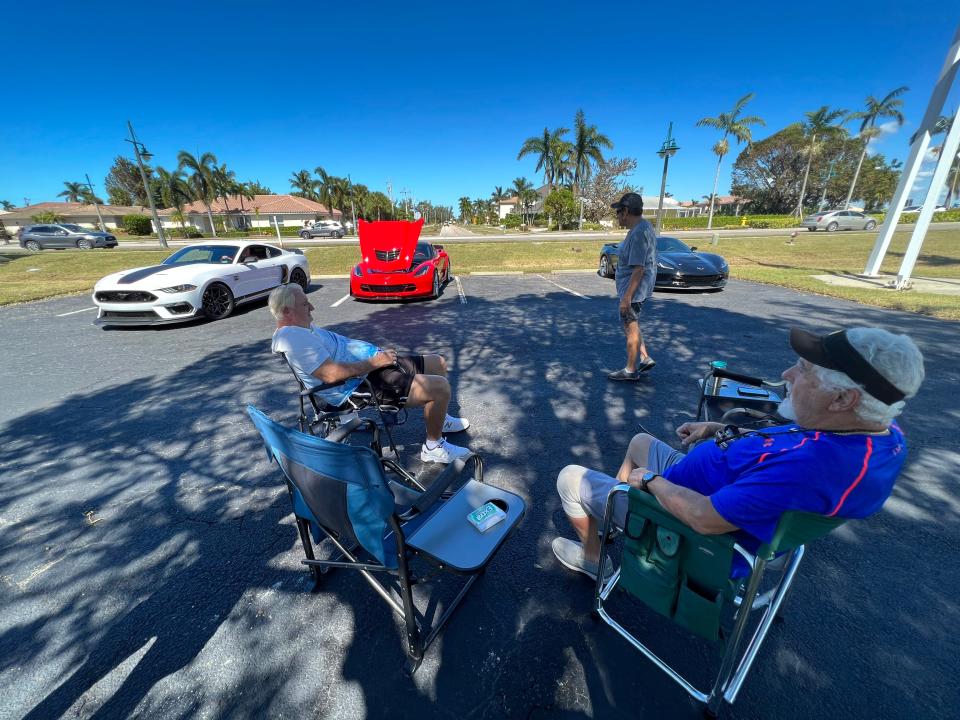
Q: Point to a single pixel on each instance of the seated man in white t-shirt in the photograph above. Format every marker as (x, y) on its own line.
(319, 357)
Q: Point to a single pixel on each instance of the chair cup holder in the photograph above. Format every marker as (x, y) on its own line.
(500, 503)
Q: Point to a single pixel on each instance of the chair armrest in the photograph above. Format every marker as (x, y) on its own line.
(348, 428)
(651, 509)
(310, 392)
(444, 480)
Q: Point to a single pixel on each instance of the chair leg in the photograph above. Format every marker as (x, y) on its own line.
(303, 528)
(414, 639)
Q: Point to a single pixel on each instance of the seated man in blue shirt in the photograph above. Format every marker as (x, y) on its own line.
(839, 457)
(319, 356)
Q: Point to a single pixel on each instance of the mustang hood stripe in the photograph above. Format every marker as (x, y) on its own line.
(141, 274)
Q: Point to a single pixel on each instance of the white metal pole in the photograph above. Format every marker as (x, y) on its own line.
(917, 152)
(277, 226)
(947, 154)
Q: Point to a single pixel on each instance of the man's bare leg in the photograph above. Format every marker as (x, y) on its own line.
(432, 392)
(637, 455)
(635, 345)
(434, 365)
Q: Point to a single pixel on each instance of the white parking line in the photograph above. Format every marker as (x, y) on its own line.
(572, 292)
(77, 311)
(463, 298)
(337, 303)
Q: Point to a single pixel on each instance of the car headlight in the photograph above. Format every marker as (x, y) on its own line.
(357, 271)
(178, 288)
(422, 270)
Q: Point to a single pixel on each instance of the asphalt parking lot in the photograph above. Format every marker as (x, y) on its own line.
(150, 564)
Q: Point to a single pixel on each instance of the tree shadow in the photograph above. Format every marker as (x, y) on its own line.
(182, 593)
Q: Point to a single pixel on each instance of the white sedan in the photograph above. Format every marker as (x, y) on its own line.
(201, 280)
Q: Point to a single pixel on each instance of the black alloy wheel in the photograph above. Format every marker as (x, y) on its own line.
(217, 301)
(337, 234)
(32, 246)
(305, 235)
(299, 277)
(435, 293)
(84, 244)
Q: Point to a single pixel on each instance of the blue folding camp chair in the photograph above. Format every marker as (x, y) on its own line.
(378, 523)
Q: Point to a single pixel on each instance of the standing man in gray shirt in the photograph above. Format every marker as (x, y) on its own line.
(636, 275)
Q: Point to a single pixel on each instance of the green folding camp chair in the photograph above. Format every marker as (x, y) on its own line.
(685, 576)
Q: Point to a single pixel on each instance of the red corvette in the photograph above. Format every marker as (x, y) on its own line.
(395, 265)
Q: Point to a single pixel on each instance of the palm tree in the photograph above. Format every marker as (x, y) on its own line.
(73, 191)
(466, 208)
(729, 124)
(818, 123)
(586, 150)
(223, 182)
(521, 188)
(339, 193)
(88, 197)
(888, 107)
(243, 190)
(547, 148)
(380, 204)
(480, 207)
(6, 205)
(174, 192)
(303, 185)
(200, 179)
(361, 196)
(323, 188)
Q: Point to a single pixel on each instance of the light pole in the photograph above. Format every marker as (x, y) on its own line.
(141, 152)
(93, 199)
(666, 151)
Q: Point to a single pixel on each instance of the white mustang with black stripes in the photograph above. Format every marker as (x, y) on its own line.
(206, 279)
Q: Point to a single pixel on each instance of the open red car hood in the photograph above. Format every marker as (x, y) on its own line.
(388, 245)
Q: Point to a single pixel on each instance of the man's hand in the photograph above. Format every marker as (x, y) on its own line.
(384, 358)
(636, 475)
(691, 432)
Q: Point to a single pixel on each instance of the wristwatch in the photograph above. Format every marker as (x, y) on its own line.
(646, 478)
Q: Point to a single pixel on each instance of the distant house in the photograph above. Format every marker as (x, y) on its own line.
(724, 205)
(671, 207)
(71, 212)
(260, 212)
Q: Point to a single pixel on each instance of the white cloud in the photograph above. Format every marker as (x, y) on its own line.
(887, 128)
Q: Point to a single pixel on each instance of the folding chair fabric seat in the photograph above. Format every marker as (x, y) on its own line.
(341, 491)
(686, 576)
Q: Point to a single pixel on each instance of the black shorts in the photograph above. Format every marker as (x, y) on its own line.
(392, 384)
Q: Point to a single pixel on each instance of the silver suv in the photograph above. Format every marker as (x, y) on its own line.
(64, 235)
(323, 228)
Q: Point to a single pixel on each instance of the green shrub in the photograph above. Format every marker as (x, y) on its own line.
(593, 226)
(137, 224)
(512, 221)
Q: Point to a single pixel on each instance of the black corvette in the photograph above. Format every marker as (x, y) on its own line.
(678, 266)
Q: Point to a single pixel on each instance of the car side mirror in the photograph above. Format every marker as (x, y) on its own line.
(693, 248)
(439, 247)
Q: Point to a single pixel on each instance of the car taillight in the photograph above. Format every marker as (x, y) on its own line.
(819, 218)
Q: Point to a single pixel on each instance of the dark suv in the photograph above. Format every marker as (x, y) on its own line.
(64, 235)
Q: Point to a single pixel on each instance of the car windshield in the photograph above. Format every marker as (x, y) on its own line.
(669, 244)
(73, 228)
(217, 254)
(423, 252)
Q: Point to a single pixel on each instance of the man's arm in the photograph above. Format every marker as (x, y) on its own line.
(334, 372)
(688, 506)
(635, 277)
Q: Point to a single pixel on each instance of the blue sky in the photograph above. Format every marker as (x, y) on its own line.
(435, 97)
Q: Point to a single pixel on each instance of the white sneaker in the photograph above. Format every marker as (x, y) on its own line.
(443, 453)
(453, 425)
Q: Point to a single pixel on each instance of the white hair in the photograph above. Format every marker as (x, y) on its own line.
(283, 296)
(896, 357)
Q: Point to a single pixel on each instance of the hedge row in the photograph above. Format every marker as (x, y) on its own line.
(728, 222)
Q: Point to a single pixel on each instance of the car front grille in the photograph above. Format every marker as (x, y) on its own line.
(125, 296)
(388, 255)
(408, 287)
(120, 315)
